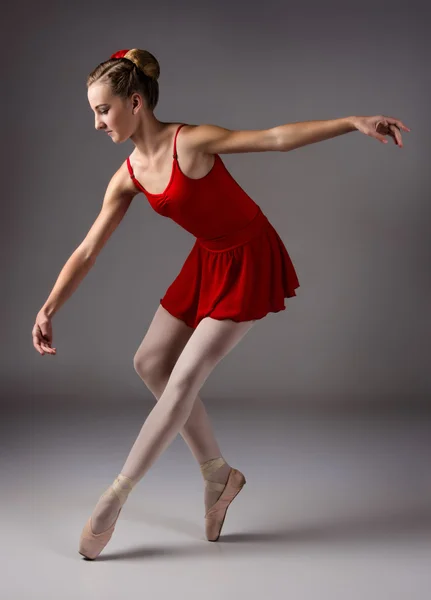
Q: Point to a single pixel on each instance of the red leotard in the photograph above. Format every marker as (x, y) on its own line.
(238, 268)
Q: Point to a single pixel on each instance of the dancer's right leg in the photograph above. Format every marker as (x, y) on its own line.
(154, 361)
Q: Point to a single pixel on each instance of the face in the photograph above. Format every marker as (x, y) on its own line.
(113, 115)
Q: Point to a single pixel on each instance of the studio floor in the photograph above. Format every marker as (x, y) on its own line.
(336, 506)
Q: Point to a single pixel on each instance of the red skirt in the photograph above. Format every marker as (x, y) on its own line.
(241, 276)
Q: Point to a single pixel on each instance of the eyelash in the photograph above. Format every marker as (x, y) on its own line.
(103, 112)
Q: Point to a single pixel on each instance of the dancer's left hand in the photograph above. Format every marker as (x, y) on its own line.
(379, 126)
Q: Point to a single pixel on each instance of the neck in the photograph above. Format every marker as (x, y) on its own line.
(150, 137)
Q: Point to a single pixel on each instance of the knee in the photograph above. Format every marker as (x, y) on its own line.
(153, 371)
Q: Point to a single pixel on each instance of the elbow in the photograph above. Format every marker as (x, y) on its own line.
(86, 253)
(278, 140)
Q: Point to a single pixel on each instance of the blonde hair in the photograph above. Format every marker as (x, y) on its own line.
(136, 71)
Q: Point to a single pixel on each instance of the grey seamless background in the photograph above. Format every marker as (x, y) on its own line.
(353, 213)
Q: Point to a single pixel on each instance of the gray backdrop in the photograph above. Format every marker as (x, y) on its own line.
(337, 504)
(352, 212)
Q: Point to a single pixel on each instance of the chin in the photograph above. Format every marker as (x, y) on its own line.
(117, 140)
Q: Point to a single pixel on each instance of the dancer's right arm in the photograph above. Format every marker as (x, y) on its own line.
(118, 197)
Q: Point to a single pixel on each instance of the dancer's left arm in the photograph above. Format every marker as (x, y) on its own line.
(218, 140)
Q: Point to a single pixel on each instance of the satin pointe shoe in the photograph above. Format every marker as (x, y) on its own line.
(216, 515)
(92, 544)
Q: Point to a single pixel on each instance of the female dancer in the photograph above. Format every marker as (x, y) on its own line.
(236, 273)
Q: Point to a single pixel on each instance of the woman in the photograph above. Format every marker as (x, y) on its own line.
(237, 271)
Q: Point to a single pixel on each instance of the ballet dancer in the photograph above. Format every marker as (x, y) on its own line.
(237, 271)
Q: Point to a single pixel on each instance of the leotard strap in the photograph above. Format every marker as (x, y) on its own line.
(175, 140)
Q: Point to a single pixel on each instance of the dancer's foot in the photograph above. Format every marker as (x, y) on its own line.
(110, 502)
(222, 492)
(215, 470)
(100, 526)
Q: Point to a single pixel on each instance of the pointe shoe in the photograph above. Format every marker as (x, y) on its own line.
(91, 544)
(216, 515)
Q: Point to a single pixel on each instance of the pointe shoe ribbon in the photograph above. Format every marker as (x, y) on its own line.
(216, 515)
(91, 544)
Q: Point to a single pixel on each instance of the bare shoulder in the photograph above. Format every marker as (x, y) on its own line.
(188, 141)
(122, 183)
(197, 139)
(187, 135)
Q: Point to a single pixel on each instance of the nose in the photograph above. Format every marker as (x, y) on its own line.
(99, 124)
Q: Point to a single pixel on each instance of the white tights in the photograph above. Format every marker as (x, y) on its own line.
(178, 409)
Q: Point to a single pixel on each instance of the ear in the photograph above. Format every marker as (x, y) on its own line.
(136, 103)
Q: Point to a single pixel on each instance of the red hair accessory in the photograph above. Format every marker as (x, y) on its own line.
(120, 54)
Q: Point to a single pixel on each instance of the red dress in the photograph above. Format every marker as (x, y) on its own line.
(238, 267)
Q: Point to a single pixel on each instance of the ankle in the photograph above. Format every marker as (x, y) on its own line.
(122, 487)
(211, 466)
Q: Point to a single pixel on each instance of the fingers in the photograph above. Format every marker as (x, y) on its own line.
(36, 344)
(393, 127)
(42, 346)
(397, 123)
(379, 137)
(390, 126)
(44, 349)
(395, 133)
(48, 348)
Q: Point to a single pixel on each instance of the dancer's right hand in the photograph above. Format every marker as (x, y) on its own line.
(42, 334)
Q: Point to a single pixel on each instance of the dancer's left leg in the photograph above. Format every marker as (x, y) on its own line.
(211, 341)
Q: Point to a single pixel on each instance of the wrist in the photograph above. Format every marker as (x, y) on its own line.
(351, 121)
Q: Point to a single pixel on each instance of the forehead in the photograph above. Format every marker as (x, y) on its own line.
(99, 93)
